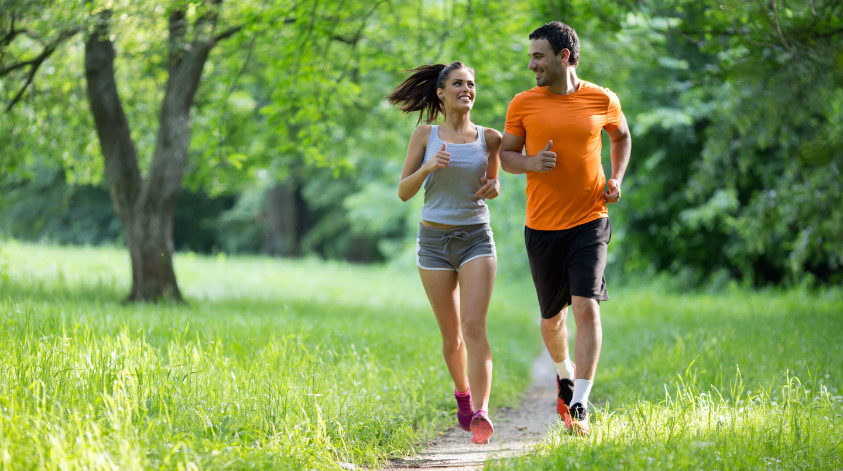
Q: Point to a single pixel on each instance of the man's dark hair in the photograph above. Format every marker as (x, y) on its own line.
(560, 36)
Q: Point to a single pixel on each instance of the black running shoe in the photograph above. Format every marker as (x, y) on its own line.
(564, 394)
(579, 420)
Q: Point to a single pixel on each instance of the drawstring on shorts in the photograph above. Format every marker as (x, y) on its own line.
(447, 238)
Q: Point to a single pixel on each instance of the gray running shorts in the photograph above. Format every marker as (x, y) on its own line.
(449, 249)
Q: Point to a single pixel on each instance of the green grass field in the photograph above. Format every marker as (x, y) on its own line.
(731, 380)
(272, 364)
(278, 364)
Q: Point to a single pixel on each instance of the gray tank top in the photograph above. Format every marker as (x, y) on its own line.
(449, 192)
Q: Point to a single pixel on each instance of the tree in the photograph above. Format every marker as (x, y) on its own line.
(32, 32)
(737, 154)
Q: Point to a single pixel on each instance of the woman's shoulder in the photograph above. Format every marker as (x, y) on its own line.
(423, 131)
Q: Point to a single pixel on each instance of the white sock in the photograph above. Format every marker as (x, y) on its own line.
(565, 369)
(582, 388)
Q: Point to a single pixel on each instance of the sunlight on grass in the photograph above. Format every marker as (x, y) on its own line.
(735, 380)
(271, 364)
(280, 364)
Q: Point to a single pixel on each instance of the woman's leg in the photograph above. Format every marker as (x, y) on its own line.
(476, 280)
(441, 289)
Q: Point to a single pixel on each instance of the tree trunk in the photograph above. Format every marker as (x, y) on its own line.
(145, 206)
(283, 213)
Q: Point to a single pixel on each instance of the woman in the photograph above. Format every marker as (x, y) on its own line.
(457, 162)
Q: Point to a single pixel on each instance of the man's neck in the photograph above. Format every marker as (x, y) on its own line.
(569, 83)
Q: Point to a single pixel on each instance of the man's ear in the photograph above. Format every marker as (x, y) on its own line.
(564, 55)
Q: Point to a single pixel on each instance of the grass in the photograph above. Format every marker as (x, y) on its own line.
(732, 380)
(278, 364)
(272, 364)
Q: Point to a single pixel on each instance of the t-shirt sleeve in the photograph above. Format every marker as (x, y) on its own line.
(613, 112)
(514, 124)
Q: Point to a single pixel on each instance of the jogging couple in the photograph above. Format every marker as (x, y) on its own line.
(559, 124)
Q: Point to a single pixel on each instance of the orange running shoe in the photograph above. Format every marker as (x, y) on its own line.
(564, 394)
(579, 420)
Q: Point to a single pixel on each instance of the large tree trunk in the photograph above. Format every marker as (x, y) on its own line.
(145, 206)
(283, 214)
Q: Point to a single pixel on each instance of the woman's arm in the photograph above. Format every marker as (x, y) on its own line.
(413, 173)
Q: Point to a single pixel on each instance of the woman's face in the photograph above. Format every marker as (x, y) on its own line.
(459, 92)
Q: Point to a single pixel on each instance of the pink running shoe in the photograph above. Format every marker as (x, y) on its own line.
(481, 427)
(465, 409)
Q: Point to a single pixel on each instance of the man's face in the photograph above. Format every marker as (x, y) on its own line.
(544, 63)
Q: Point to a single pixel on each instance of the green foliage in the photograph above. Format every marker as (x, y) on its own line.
(733, 107)
(734, 161)
(47, 208)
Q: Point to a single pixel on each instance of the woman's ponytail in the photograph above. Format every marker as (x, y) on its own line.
(418, 91)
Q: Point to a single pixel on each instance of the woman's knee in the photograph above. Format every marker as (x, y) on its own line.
(474, 330)
(452, 345)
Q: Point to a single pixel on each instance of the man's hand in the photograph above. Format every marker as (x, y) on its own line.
(490, 190)
(545, 160)
(613, 192)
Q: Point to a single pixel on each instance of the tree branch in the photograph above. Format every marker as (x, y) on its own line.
(779, 30)
(8, 37)
(35, 63)
(177, 24)
(228, 33)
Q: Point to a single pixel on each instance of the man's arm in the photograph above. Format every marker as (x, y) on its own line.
(513, 161)
(620, 150)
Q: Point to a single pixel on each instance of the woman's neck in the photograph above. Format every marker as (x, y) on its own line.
(458, 122)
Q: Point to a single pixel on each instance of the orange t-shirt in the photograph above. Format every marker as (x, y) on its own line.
(571, 193)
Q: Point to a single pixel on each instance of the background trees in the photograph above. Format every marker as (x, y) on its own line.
(293, 149)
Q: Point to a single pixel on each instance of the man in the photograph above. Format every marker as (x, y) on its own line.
(567, 232)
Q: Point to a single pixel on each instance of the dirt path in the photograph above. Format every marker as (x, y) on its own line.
(517, 430)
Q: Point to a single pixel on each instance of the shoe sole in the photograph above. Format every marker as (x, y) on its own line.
(579, 429)
(482, 430)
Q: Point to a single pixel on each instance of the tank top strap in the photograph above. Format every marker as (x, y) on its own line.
(434, 136)
(482, 134)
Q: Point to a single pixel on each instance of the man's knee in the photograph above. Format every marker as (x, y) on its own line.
(556, 322)
(585, 309)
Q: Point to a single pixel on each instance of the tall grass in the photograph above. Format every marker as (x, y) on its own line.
(732, 380)
(271, 364)
(278, 364)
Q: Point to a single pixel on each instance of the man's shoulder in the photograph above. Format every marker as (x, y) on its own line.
(535, 92)
(591, 88)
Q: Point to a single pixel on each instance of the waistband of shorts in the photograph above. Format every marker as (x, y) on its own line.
(425, 230)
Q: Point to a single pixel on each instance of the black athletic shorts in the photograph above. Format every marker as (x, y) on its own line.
(568, 263)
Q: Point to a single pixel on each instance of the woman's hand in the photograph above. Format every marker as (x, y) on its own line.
(440, 159)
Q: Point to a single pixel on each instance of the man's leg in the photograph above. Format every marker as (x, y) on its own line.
(587, 352)
(589, 336)
(555, 335)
